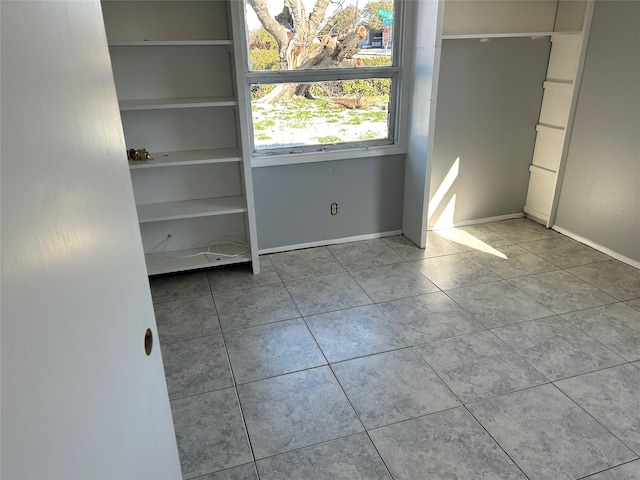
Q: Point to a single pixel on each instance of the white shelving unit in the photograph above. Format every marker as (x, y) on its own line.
(551, 132)
(174, 69)
(566, 23)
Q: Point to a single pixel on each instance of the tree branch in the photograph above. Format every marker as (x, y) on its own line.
(317, 14)
(269, 24)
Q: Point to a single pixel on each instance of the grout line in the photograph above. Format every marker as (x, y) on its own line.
(393, 325)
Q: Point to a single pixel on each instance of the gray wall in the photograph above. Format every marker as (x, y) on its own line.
(489, 97)
(293, 201)
(600, 196)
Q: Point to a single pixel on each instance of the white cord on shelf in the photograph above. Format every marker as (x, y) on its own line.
(237, 242)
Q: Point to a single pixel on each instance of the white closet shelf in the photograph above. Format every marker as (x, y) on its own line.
(164, 103)
(202, 207)
(163, 43)
(542, 171)
(503, 35)
(189, 157)
(179, 260)
(561, 86)
(550, 129)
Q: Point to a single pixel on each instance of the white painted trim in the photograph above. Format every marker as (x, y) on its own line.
(586, 28)
(335, 241)
(559, 131)
(466, 223)
(471, 36)
(559, 86)
(536, 215)
(597, 246)
(258, 161)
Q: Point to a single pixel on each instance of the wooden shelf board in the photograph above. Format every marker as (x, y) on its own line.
(189, 157)
(169, 43)
(164, 103)
(504, 35)
(202, 207)
(158, 263)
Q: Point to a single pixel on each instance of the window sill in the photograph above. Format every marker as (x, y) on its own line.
(258, 160)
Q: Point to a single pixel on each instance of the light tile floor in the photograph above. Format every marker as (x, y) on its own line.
(503, 350)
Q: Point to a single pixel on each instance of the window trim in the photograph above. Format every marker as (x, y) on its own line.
(327, 152)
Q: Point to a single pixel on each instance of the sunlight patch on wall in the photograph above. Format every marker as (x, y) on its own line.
(443, 189)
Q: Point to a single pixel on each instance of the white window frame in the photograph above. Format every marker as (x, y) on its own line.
(326, 152)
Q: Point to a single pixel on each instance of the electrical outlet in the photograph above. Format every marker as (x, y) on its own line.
(334, 208)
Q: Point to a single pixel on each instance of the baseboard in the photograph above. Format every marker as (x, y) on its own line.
(323, 243)
(536, 215)
(597, 246)
(466, 223)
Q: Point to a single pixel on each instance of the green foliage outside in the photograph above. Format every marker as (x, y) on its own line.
(264, 59)
(370, 16)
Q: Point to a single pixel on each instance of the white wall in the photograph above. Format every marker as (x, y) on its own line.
(80, 398)
(600, 195)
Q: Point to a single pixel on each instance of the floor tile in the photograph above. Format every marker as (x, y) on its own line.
(210, 432)
(243, 472)
(235, 277)
(309, 262)
(272, 349)
(497, 304)
(438, 246)
(196, 366)
(448, 444)
(349, 458)
(628, 471)
(565, 252)
(519, 230)
(473, 237)
(618, 279)
(354, 332)
(429, 317)
(408, 250)
(612, 397)
(452, 271)
(364, 254)
(617, 326)
(556, 348)
(512, 261)
(254, 306)
(179, 287)
(479, 366)
(634, 303)
(326, 293)
(391, 387)
(391, 282)
(548, 435)
(184, 319)
(561, 291)
(296, 410)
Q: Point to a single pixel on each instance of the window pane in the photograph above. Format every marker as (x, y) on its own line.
(348, 33)
(297, 115)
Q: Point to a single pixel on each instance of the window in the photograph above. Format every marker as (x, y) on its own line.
(322, 75)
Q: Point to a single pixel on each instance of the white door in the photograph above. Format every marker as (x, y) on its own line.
(80, 397)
